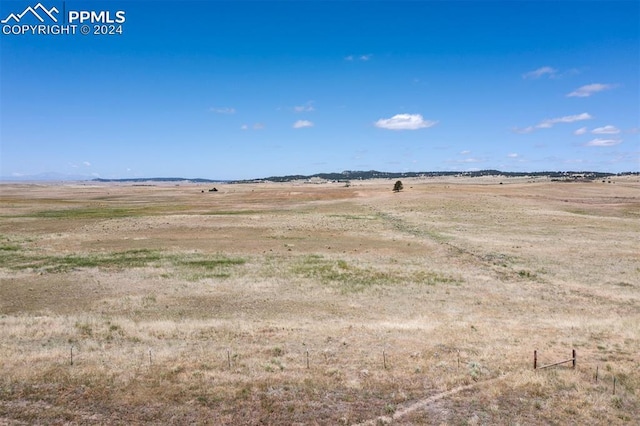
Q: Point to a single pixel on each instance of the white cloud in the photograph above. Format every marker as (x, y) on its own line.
(86, 163)
(404, 122)
(307, 107)
(590, 89)
(513, 155)
(549, 122)
(527, 129)
(465, 152)
(540, 72)
(302, 124)
(566, 119)
(358, 57)
(603, 142)
(606, 130)
(257, 126)
(580, 131)
(224, 110)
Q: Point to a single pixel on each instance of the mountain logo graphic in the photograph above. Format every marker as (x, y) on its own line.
(34, 11)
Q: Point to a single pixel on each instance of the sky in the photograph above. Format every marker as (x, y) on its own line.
(250, 89)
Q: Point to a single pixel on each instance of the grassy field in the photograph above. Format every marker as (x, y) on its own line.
(321, 304)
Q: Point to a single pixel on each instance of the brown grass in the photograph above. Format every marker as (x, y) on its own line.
(284, 303)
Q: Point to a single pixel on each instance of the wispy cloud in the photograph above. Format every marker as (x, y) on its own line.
(404, 122)
(465, 152)
(523, 130)
(358, 57)
(256, 126)
(467, 160)
(540, 72)
(223, 110)
(603, 142)
(566, 119)
(76, 166)
(606, 130)
(300, 124)
(550, 122)
(307, 107)
(590, 89)
(580, 131)
(513, 155)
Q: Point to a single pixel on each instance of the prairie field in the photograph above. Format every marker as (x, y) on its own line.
(298, 303)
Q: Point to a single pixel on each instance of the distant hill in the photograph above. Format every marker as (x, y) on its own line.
(374, 174)
(347, 175)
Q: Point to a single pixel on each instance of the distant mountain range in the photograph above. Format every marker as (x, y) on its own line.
(346, 175)
(159, 179)
(61, 177)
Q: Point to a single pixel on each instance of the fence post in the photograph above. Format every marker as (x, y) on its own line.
(574, 358)
(535, 359)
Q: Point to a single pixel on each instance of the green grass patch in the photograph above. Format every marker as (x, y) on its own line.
(88, 213)
(232, 212)
(582, 212)
(353, 217)
(110, 212)
(200, 268)
(215, 262)
(353, 278)
(193, 268)
(118, 260)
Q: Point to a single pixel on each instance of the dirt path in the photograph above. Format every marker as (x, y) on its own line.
(425, 403)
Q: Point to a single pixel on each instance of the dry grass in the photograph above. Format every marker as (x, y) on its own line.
(320, 304)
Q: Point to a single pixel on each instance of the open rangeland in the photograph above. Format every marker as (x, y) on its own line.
(302, 303)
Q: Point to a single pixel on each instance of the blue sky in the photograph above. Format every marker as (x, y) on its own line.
(239, 90)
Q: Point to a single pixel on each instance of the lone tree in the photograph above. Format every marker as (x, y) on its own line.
(397, 187)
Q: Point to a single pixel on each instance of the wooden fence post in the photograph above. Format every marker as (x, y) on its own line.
(535, 359)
